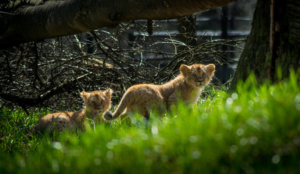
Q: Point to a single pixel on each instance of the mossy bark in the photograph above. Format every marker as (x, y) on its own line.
(257, 57)
(65, 17)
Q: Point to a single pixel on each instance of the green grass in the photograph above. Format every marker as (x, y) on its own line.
(255, 129)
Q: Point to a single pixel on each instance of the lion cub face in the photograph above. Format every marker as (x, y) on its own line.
(198, 75)
(97, 101)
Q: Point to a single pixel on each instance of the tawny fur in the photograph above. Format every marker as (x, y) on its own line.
(187, 86)
(96, 103)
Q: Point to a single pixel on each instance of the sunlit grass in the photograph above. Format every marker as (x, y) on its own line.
(255, 129)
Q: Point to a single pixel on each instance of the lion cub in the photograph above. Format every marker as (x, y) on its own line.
(96, 103)
(187, 86)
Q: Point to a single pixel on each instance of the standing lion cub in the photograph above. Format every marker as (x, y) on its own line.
(187, 86)
(96, 103)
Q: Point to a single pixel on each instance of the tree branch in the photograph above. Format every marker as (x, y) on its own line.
(60, 18)
(24, 101)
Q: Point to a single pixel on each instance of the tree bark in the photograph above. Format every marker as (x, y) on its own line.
(59, 18)
(271, 43)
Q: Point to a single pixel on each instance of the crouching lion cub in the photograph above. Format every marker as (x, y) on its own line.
(187, 86)
(96, 103)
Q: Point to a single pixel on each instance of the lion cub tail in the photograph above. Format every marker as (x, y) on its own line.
(120, 109)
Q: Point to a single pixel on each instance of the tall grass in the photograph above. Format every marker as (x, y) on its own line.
(255, 129)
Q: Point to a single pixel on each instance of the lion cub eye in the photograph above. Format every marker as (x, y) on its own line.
(195, 75)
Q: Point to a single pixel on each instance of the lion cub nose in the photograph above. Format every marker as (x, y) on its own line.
(200, 82)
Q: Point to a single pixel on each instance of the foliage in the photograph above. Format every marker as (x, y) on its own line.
(252, 130)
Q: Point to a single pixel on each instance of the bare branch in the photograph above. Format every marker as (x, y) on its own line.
(23, 101)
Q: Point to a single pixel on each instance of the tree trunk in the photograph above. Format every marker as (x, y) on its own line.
(273, 42)
(58, 18)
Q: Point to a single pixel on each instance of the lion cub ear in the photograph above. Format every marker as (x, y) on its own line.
(108, 92)
(210, 69)
(84, 95)
(185, 70)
